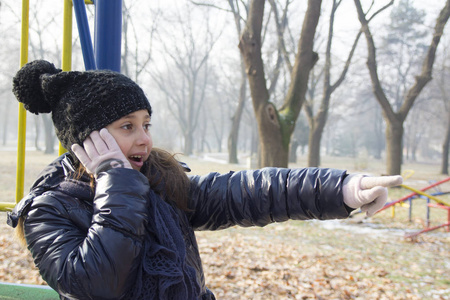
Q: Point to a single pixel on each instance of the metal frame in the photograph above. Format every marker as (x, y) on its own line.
(108, 35)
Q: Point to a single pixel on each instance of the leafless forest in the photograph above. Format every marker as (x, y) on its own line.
(352, 84)
(335, 78)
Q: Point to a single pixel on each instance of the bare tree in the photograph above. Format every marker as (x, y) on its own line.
(317, 122)
(395, 119)
(10, 59)
(214, 112)
(236, 119)
(185, 79)
(442, 83)
(40, 49)
(275, 126)
(137, 52)
(446, 142)
(236, 8)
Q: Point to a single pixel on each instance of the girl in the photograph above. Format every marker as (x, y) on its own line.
(115, 218)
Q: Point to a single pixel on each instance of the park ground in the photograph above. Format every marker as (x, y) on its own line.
(358, 258)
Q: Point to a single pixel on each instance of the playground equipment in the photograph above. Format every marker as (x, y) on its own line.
(441, 204)
(411, 235)
(105, 54)
(26, 291)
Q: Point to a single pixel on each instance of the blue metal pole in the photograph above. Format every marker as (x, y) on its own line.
(108, 34)
(85, 35)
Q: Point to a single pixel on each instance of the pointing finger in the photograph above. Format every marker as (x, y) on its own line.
(385, 181)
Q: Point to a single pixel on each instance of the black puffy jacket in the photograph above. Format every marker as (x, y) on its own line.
(87, 246)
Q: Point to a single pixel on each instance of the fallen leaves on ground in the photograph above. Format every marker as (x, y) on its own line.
(296, 260)
(16, 264)
(282, 262)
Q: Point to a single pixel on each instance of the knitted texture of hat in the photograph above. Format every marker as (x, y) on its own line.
(80, 102)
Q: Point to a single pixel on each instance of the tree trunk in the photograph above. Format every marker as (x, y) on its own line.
(37, 132)
(293, 151)
(49, 137)
(6, 113)
(379, 144)
(236, 120)
(315, 137)
(266, 116)
(188, 143)
(394, 134)
(445, 150)
(274, 149)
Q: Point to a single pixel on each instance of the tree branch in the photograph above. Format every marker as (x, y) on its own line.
(210, 5)
(372, 63)
(427, 67)
(305, 60)
(353, 49)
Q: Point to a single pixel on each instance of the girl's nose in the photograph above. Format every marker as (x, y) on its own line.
(144, 137)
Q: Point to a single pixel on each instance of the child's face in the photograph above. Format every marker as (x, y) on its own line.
(132, 133)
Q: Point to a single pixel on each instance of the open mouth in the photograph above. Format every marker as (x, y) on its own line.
(136, 158)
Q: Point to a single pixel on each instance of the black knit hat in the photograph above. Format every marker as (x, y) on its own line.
(80, 102)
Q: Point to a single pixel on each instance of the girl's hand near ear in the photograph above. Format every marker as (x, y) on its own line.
(368, 193)
(100, 152)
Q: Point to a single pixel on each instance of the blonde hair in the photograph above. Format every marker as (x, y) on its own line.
(19, 232)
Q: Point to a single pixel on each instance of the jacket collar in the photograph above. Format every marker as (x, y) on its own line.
(58, 175)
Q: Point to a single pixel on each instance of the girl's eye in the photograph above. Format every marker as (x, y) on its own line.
(127, 126)
(147, 126)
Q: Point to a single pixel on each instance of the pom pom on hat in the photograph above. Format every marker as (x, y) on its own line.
(27, 86)
(80, 102)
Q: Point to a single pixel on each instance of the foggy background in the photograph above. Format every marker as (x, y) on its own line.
(186, 58)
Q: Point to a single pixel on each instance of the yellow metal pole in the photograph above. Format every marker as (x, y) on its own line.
(425, 194)
(7, 206)
(67, 37)
(67, 46)
(20, 172)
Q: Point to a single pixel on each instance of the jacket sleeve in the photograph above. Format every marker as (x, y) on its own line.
(260, 197)
(97, 261)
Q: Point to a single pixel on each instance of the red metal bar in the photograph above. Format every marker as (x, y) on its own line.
(426, 230)
(437, 205)
(414, 193)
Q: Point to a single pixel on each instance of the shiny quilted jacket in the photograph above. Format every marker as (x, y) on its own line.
(87, 245)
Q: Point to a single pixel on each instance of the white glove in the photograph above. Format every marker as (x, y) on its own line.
(368, 193)
(100, 152)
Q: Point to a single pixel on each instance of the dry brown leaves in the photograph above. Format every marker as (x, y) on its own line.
(291, 261)
(274, 263)
(246, 269)
(16, 264)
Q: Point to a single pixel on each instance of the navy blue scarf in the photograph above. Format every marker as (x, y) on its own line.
(164, 273)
